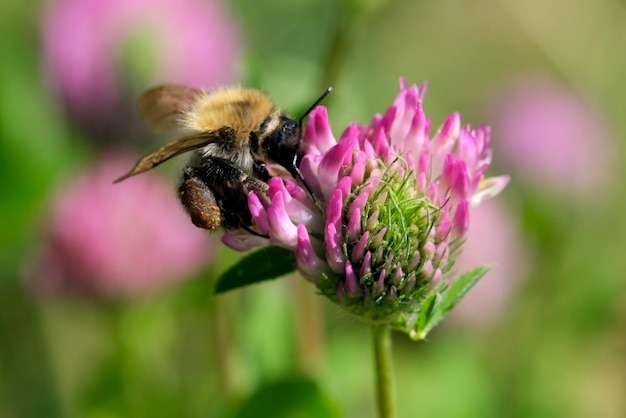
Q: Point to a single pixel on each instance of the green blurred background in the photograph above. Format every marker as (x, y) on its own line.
(553, 346)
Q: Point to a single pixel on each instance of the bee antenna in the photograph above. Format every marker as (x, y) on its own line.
(318, 101)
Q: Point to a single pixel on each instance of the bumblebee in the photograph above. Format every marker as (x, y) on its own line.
(234, 132)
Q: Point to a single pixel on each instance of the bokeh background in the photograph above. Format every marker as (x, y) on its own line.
(105, 291)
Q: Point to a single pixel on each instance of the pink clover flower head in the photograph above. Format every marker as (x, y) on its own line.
(190, 42)
(117, 240)
(553, 137)
(391, 207)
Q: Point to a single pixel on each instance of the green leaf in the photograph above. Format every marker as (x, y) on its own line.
(450, 298)
(265, 264)
(427, 309)
(290, 397)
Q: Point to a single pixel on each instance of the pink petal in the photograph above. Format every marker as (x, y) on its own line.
(460, 222)
(282, 228)
(243, 241)
(460, 186)
(309, 167)
(358, 251)
(358, 169)
(442, 230)
(366, 265)
(380, 143)
(353, 229)
(332, 165)
(318, 137)
(309, 264)
(259, 214)
(489, 188)
(334, 249)
(351, 284)
(429, 249)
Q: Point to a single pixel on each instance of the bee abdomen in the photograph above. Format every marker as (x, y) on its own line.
(201, 204)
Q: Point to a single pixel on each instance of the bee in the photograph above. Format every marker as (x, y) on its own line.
(234, 133)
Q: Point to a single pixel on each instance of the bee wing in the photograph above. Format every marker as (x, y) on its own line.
(169, 150)
(162, 107)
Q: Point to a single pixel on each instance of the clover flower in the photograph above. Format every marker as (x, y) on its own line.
(117, 241)
(390, 213)
(93, 48)
(553, 138)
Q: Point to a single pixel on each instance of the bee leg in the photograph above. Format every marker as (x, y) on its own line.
(252, 183)
(260, 171)
(200, 201)
(295, 171)
(230, 186)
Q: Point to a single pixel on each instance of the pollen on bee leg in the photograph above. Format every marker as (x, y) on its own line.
(200, 203)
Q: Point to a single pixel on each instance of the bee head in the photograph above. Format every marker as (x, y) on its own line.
(280, 137)
(281, 143)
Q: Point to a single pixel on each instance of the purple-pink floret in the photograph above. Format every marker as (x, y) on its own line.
(391, 206)
(117, 241)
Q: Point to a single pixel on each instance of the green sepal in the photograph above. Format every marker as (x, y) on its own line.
(265, 264)
(437, 305)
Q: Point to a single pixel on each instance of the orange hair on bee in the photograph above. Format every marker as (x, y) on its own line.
(241, 109)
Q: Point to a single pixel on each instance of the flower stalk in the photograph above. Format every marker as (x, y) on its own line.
(383, 367)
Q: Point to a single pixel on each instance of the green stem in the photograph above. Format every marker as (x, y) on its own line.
(383, 364)
(349, 22)
(335, 60)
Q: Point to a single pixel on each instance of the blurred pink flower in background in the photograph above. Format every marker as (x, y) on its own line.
(548, 135)
(192, 42)
(118, 240)
(494, 239)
